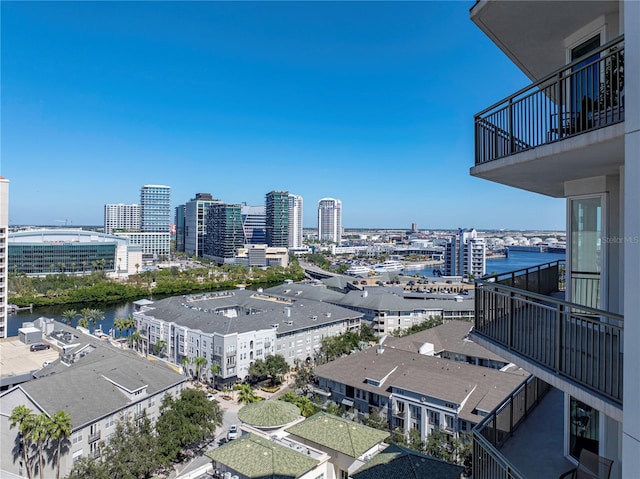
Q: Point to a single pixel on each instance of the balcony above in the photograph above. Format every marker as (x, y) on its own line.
(532, 33)
(575, 348)
(567, 126)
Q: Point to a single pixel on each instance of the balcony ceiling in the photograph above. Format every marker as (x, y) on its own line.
(545, 169)
(532, 33)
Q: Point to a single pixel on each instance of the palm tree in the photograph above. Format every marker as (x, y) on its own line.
(120, 324)
(85, 321)
(97, 315)
(40, 435)
(199, 362)
(24, 418)
(246, 395)
(134, 340)
(159, 347)
(185, 365)
(68, 315)
(215, 370)
(60, 430)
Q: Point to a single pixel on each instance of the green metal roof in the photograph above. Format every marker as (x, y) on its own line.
(339, 434)
(269, 413)
(256, 457)
(397, 461)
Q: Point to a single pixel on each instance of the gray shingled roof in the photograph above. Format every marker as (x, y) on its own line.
(450, 381)
(400, 462)
(84, 390)
(266, 309)
(451, 336)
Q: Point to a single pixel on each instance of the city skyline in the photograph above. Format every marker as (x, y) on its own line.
(358, 101)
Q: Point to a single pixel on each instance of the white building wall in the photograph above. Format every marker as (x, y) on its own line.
(4, 253)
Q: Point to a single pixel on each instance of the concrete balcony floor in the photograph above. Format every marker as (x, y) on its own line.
(536, 446)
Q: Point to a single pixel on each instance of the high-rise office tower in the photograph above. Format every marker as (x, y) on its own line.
(195, 223)
(155, 208)
(277, 225)
(330, 220)
(465, 253)
(4, 252)
(224, 232)
(121, 218)
(295, 221)
(254, 223)
(179, 222)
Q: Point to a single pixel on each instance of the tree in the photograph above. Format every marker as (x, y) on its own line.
(304, 375)
(69, 315)
(120, 325)
(276, 366)
(189, 418)
(199, 363)
(95, 316)
(306, 406)
(246, 395)
(334, 408)
(185, 365)
(366, 333)
(159, 347)
(215, 370)
(85, 319)
(134, 340)
(257, 370)
(23, 418)
(40, 436)
(59, 431)
(377, 420)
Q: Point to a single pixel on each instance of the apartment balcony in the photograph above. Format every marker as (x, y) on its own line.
(566, 126)
(575, 348)
(94, 437)
(523, 437)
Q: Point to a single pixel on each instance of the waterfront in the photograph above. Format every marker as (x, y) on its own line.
(515, 260)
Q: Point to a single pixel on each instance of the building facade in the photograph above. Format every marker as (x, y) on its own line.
(195, 223)
(224, 232)
(155, 209)
(231, 329)
(43, 252)
(295, 221)
(277, 218)
(465, 254)
(4, 254)
(580, 141)
(330, 220)
(121, 217)
(179, 220)
(254, 224)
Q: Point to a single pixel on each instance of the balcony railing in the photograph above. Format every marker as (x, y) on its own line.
(492, 432)
(94, 437)
(578, 342)
(582, 96)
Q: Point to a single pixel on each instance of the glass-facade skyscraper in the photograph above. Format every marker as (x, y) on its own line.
(155, 209)
(277, 225)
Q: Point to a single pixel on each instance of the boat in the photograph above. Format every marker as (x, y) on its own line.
(388, 266)
(357, 270)
(414, 266)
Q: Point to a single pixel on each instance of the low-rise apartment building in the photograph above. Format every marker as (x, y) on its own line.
(97, 384)
(231, 329)
(416, 390)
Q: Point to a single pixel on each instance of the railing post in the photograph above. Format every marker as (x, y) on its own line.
(510, 321)
(511, 137)
(559, 340)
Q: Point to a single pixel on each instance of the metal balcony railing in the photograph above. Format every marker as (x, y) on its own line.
(493, 431)
(577, 342)
(582, 96)
(94, 437)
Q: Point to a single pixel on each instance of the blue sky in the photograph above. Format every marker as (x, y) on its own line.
(371, 103)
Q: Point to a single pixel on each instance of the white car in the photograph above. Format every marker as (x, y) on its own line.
(211, 397)
(233, 433)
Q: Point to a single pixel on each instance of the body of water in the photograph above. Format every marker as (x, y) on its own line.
(111, 312)
(515, 260)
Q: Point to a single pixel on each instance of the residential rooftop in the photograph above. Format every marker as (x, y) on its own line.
(257, 457)
(401, 462)
(269, 413)
(254, 310)
(338, 434)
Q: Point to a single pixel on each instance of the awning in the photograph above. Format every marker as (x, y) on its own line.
(347, 402)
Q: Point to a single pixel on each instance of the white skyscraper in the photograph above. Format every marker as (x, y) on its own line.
(121, 218)
(465, 253)
(295, 221)
(155, 209)
(330, 220)
(4, 253)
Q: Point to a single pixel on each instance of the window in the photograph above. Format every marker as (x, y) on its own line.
(76, 456)
(434, 418)
(109, 422)
(76, 437)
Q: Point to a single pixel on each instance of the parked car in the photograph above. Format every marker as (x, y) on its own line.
(211, 397)
(39, 347)
(233, 432)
